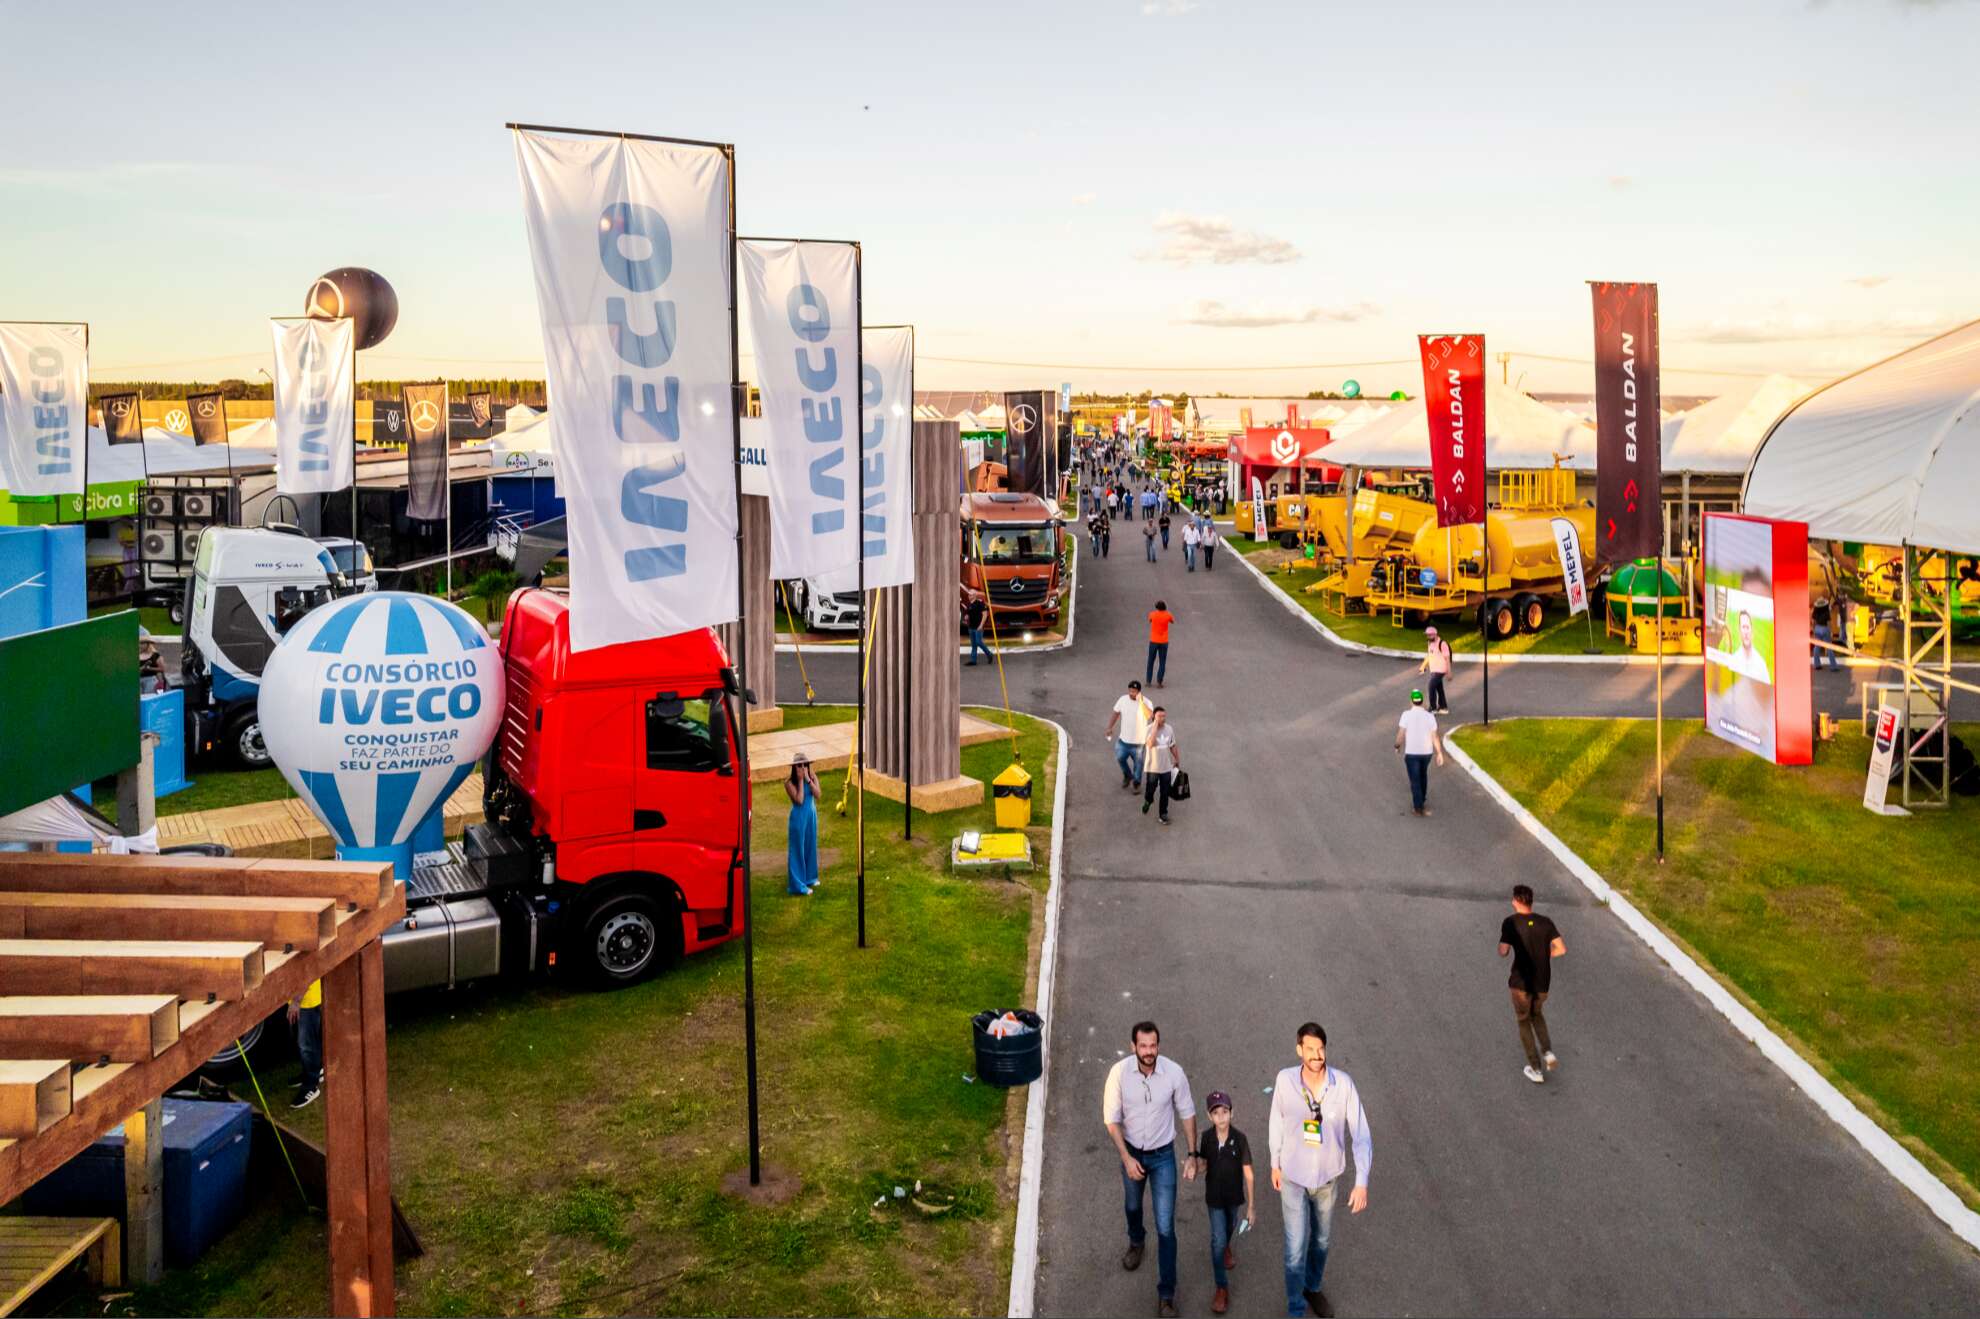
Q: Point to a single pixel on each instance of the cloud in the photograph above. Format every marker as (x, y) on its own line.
(1808, 329)
(1213, 240)
(1868, 281)
(1218, 316)
(1168, 8)
(1086, 199)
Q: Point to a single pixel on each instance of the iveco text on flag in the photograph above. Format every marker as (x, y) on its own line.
(886, 452)
(803, 305)
(630, 243)
(315, 428)
(44, 407)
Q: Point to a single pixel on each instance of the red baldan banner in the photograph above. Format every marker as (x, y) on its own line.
(1454, 407)
(1629, 435)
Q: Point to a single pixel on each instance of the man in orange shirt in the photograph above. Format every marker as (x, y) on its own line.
(1159, 619)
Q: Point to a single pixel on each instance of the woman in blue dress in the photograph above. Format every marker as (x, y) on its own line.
(802, 788)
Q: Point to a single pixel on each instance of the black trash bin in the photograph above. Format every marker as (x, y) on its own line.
(1013, 1059)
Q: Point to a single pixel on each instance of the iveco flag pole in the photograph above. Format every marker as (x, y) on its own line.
(865, 605)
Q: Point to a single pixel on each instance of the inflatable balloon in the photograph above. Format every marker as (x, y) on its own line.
(362, 295)
(1352, 389)
(1399, 396)
(375, 707)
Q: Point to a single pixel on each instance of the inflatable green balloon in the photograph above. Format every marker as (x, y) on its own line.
(1352, 389)
(1398, 396)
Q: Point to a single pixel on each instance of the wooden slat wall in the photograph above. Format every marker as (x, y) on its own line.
(930, 635)
(762, 620)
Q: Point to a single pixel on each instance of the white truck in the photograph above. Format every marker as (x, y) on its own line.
(249, 586)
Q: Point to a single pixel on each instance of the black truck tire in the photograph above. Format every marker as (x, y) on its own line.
(626, 937)
(1499, 620)
(1531, 612)
(244, 743)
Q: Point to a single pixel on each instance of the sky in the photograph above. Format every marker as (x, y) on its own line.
(1150, 194)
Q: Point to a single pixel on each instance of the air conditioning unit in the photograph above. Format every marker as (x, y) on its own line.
(189, 543)
(203, 505)
(161, 504)
(159, 545)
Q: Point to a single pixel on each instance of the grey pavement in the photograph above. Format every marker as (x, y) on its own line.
(1665, 1169)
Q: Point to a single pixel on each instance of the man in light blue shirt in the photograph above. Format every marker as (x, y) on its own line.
(1316, 1117)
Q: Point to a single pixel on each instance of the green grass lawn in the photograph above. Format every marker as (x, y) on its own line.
(212, 788)
(152, 619)
(562, 1152)
(1857, 935)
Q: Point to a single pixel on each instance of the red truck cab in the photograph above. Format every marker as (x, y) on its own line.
(614, 786)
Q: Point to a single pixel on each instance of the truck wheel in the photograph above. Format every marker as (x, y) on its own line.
(1531, 611)
(1500, 622)
(244, 744)
(176, 611)
(627, 937)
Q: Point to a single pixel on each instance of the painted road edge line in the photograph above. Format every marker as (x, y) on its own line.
(1024, 1241)
(1898, 1161)
(1390, 652)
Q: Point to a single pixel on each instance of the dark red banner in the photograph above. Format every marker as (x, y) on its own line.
(1454, 407)
(1629, 435)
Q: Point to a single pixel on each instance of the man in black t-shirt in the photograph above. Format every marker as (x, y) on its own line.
(1533, 942)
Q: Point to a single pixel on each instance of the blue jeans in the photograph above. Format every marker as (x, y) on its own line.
(1158, 662)
(1224, 1222)
(1189, 555)
(1165, 538)
(309, 1046)
(1160, 1167)
(1149, 541)
(1419, 779)
(1822, 633)
(976, 644)
(1309, 1220)
(1128, 756)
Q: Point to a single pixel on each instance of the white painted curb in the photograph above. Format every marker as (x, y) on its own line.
(1024, 1242)
(1899, 1162)
(1010, 652)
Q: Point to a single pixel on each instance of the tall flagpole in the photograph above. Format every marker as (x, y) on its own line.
(447, 474)
(1662, 545)
(907, 621)
(356, 558)
(866, 609)
(737, 402)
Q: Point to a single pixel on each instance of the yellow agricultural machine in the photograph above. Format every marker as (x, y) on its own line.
(1405, 565)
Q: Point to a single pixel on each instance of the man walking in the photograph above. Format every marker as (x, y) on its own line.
(1130, 721)
(1148, 538)
(1436, 663)
(1163, 523)
(1209, 545)
(1161, 759)
(1533, 942)
(1190, 540)
(1146, 1095)
(973, 615)
(1159, 622)
(1417, 739)
(1316, 1118)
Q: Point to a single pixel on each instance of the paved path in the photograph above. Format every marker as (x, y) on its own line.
(1667, 1169)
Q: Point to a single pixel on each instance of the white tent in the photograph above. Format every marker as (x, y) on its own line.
(1519, 432)
(1888, 456)
(518, 416)
(1718, 438)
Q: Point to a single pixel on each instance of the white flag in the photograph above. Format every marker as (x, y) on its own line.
(803, 303)
(315, 425)
(44, 408)
(1574, 575)
(630, 241)
(888, 520)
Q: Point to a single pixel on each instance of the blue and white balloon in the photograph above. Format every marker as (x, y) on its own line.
(376, 707)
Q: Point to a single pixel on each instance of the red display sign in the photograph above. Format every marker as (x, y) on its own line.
(1755, 623)
(1292, 416)
(1454, 406)
(1629, 434)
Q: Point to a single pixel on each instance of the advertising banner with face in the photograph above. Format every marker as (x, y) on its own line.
(44, 408)
(315, 426)
(630, 241)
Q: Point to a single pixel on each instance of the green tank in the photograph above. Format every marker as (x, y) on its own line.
(1634, 588)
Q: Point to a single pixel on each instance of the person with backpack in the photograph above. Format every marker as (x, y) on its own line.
(1436, 663)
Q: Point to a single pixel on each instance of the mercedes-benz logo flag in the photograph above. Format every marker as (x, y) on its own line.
(1030, 439)
(122, 419)
(208, 415)
(482, 408)
(426, 425)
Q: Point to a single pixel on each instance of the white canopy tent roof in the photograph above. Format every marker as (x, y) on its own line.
(1519, 432)
(1888, 456)
(1718, 438)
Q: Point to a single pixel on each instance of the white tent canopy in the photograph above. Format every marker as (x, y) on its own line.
(1519, 432)
(1718, 438)
(1888, 456)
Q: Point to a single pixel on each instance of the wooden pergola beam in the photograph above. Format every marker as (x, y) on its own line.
(190, 970)
(362, 884)
(302, 923)
(123, 1028)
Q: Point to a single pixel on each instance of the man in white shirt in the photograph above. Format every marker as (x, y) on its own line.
(1130, 718)
(1146, 1095)
(1316, 1119)
(1417, 739)
(1191, 538)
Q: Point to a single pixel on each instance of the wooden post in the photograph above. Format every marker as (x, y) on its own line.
(135, 805)
(356, 1139)
(144, 1194)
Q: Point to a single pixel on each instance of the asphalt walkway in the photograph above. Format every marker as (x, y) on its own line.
(1665, 1169)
